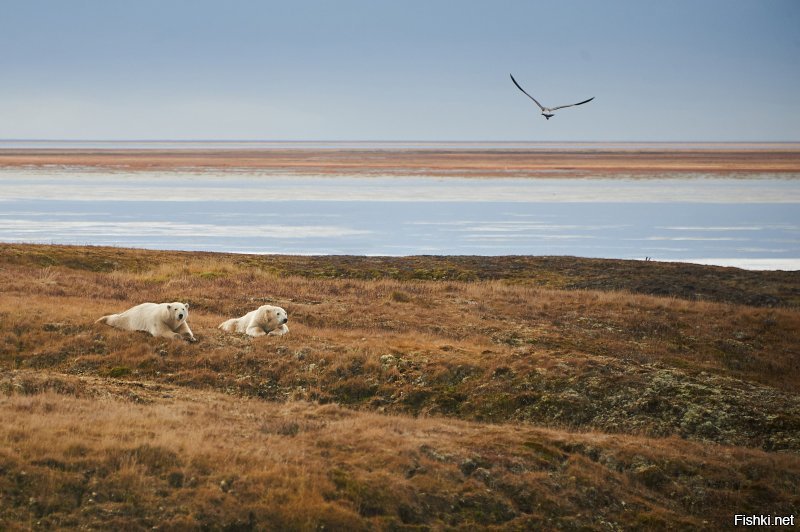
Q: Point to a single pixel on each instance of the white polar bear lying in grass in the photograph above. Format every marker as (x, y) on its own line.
(167, 320)
(264, 320)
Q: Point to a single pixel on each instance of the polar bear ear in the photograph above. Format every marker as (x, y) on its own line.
(186, 305)
(169, 307)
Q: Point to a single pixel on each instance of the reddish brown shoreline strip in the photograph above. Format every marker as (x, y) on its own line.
(485, 163)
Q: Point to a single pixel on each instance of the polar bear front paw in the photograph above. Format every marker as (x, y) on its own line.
(280, 331)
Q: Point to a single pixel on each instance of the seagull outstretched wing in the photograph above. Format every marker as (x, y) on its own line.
(573, 104)
(529, 96)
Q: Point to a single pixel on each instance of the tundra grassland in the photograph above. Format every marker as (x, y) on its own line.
(412, 393)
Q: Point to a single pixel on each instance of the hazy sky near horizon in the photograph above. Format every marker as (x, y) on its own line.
(700, 70)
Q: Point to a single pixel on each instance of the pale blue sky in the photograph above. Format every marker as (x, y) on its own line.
(413, 70)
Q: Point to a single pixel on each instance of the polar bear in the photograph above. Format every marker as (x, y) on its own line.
(264, 320)
(167, 320)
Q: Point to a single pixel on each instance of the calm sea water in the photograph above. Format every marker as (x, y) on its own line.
(753, 222)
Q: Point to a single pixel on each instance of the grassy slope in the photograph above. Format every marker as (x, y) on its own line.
(547, 392)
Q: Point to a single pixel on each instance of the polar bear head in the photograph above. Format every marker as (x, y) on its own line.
(270, 318)
(177, 313)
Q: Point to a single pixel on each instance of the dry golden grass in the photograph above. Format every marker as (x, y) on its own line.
(313, 429)
(612, 162)
(101, 453)
(684, 281)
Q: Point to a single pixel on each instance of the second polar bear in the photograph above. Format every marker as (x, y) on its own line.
(264, 320)
(167, 320)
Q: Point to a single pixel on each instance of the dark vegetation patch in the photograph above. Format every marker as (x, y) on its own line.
(686, 281)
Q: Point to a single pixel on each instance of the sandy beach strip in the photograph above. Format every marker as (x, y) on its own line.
(784, 160)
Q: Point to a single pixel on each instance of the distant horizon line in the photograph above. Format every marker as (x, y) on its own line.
(389, 141)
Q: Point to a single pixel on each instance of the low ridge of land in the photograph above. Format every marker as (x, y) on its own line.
(542, 162)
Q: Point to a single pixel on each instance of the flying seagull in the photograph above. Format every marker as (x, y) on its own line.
(547, 112)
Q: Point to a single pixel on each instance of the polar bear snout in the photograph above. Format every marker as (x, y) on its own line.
(281, 315)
